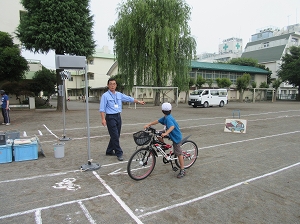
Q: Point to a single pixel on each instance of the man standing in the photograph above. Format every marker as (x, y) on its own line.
(5, 107)
(110, 110)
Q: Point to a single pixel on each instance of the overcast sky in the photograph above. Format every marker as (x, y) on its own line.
(211, 21)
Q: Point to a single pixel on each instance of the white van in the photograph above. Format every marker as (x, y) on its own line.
(208, 97)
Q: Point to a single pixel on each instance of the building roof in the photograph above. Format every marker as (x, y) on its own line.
(269, 53)
(279, 37)
(266, 54)
(227, 67)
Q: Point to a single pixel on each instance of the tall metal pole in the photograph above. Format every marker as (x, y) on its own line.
(64, 108)
(87, 114)
(64, 138)
(89, 165)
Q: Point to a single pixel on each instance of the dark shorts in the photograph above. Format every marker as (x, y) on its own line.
(177, 149)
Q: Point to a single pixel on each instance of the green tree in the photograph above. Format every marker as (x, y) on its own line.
(120, 82)
(183, 84)
(209, 82)
(276, 83)
(250, 62)
(244, 62)
(289, 70)
(242, 84)
(200, 81)
(45, 81)
(12, 65)
(62, 26)
(18, 88)
(153, 42)
(192, 83)
(223, 82)
(264, 85)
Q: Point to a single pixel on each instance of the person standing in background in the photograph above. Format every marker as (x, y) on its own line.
(5, 107)
(110, 110)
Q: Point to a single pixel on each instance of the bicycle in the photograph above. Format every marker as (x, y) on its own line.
(143, 160)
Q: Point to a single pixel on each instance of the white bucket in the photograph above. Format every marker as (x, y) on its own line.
(59, 150)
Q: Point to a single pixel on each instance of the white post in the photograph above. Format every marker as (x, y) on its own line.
(31, 103)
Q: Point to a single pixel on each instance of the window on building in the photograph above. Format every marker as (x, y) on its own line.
(71, 79)
(294, 41)
(22, 13)
(193, 75)
(224, 75)
(209, 76)
(266, 44)
(233, 78)
(90, 76)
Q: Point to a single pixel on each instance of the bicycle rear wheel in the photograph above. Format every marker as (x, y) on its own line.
(141, 164)
(190, 154)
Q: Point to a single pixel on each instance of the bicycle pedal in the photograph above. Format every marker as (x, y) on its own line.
(175, 169)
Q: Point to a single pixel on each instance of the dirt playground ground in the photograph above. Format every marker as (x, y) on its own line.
(252, 177)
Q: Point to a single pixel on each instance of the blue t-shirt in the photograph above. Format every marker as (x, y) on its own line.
(109, 101)
(169, 121)
(4, 101)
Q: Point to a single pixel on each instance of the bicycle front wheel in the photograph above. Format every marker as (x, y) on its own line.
(190, 154)
(141, 164)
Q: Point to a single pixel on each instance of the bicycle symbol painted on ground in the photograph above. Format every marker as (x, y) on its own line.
(67, 183)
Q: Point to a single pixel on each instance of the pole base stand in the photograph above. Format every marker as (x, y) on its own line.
(90, 166)
(64, 138)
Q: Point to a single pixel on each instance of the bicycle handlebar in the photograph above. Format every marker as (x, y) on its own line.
(154, 131)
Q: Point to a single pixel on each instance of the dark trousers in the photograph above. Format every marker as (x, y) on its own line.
(5, 114)
(114, 124)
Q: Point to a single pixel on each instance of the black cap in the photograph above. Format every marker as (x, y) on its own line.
(2, 92)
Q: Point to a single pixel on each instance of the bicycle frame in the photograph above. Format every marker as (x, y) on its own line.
(143, 160)
(167, 157)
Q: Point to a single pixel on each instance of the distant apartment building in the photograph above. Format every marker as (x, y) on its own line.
(10, 13)
(228, 49)
(268, 45)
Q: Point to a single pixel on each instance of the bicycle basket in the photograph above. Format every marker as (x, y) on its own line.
(142, 137)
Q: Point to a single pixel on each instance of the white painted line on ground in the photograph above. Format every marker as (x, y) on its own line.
(251, 139)
(38, 217)
(121, 202)
(118, 163)
(86, 213)
(196, 119)
(218, 191)
(189, 127)
(39, 176)
(51, 206)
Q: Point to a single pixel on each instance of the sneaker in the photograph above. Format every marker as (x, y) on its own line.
(110, 154)
(3, 123)
(120, 158)
(181, 174)
(7, 123)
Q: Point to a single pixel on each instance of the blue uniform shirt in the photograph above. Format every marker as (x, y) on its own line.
(4, 101)
(169, 121)
(109, 100)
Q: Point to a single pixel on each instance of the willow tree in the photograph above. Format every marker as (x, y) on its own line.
(242, 83)
(153, 42)
(62, 26)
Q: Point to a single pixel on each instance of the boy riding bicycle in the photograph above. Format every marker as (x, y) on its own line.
(172, 129)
